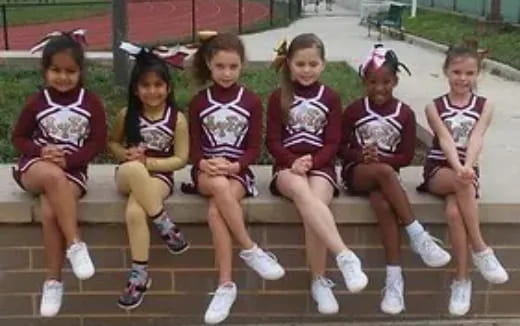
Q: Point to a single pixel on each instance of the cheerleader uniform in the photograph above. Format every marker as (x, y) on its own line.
(159, 141)
(226, 122)
(312, 127)
(74, 121)
(460, 122)
(391, 127)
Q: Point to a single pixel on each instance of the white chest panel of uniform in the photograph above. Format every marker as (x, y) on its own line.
(307, 120)
(225, 125)
(157, 135)
(384, 130)
(460, 122)
(67, 126)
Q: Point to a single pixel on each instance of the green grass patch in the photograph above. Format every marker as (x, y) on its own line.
(38, 13)
(16, 84)
(503, 41)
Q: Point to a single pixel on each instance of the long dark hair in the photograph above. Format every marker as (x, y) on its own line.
(145, 63)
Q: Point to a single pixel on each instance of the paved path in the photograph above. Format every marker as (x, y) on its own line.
(345, 40)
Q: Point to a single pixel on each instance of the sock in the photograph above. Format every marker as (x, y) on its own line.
(250, 250)
(163, 222)
(414, 229)
(393, 272)
(139, 272)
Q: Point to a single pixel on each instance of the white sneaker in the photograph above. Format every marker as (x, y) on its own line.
(321, 291)
(431, 253)
(460, 299)
(489, 266)
(80, 261)
(393, 299)
(220, 305)
(262, 262)
(350, 266)
(51, 298)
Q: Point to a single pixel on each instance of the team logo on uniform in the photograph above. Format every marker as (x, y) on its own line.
(307, 118)
(460, 127)
(66, 126)
(225, 126)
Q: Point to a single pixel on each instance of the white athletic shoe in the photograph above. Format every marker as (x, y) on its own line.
(350, 266)
(460, 299)
(51, 298)
(220, 305)
(262, 262)
(80, 261)
(321, 291)
(489, 266)
(431, 253)
(393, 299)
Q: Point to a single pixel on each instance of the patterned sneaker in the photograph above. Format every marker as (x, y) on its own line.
(133, 294)
(321, 291)
(489, 266)
(350, 266)
(220, 305)
(80, 260)
(431, 253)
(175, 241)
(262, 262)
(51, 298)
(460, 299)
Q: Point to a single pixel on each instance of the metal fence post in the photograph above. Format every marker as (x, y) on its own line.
(120, 33)
(240, 8)
(193, 22)
(4, 23)
(271, 12)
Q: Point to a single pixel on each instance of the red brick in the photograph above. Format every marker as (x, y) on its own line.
(193, 258)
(429, 280)
(196, 234)
(102, 258)
(31, 282)
(501, 234)
(15, 305)
(27, 235)
(11, 259)
(292, 281)
(116, 281)
(279, 303)
(503, 304)
(84, 305)
(512, 285)
(285, 234)
(509, 257)
(291, 258)
(358, 304)
(183, 304)
(207, 281)
(37, 321)
(348, 233)
(96, 235)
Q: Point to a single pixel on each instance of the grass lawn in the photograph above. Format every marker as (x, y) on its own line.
(16, 84)
(446, 28)
(52, 11)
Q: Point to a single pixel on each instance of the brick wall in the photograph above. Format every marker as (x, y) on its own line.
(179, 293)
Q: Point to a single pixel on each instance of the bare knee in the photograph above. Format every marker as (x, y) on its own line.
(384, 172)
(379, 202)
(219, 186)
(54, 177)
(453, 214)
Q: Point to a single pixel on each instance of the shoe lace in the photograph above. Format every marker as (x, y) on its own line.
(430, 244)
(393, 290)
(489, 262)
(76, 252)
(52, 293)
(266, 256)
(220, 298)
(326, 282)
(349, 266)
(459, 293)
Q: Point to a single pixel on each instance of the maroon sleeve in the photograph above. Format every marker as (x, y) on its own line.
(95, 143)
(195, 132)
(282, 155)
(254, 134)
(332, 135)
(25, 127)
(347, 151)
(406, 148)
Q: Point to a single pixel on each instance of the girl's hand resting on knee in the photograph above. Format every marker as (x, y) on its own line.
(465, 174)
(302, 165)
(136, 153)
(54, 154)
(370, 154)
(217, 166)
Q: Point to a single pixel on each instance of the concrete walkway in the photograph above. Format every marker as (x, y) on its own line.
(345, 40)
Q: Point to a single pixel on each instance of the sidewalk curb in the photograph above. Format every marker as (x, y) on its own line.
(494, 67)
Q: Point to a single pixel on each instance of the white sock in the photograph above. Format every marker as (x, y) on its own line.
(414, 229)
(393, 272)
(250, 250)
